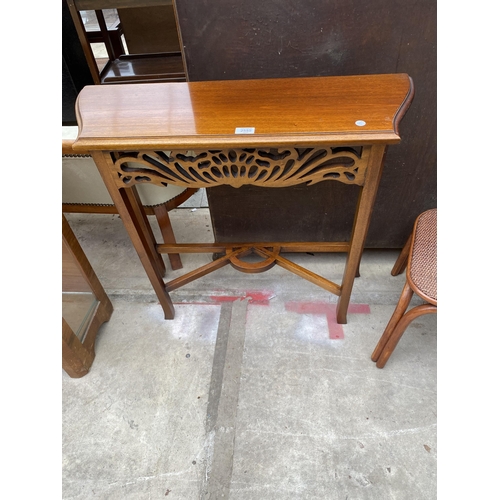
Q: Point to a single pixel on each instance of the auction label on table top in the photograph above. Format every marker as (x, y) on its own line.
(244, 130)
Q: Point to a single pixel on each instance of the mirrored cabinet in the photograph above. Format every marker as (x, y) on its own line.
(85, 306)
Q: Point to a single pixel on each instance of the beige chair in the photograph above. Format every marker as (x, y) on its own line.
(83, 191)
(419, 256)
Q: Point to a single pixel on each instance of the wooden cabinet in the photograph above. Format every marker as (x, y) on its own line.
(141, 42)
(85, 306)
(75, 71)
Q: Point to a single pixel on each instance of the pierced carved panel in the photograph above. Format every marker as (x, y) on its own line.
(266, 167)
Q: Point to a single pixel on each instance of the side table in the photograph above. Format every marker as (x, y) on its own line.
(270, 133)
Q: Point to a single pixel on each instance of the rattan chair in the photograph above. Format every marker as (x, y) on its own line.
(419, 256)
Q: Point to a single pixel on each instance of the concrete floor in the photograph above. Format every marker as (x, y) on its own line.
(253, 391)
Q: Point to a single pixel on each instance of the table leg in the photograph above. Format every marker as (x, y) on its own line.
(135, 207)
(360, 228)
(130, 208)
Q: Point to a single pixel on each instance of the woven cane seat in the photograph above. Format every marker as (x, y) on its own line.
(422, 263)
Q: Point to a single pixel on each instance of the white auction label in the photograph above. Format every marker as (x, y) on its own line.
(244, 130)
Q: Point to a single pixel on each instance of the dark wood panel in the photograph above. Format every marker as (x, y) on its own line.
(151, 29)
(268, 212)
(228, 39)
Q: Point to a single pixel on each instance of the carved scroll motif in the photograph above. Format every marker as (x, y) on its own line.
(266, 167)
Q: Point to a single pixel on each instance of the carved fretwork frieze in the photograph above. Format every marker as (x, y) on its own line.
(266, 167)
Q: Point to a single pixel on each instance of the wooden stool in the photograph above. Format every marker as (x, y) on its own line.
(419, 256)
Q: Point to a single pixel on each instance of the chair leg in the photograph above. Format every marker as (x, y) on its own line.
(167, 233)
(404, 301)
(401, 328)
(400, 264)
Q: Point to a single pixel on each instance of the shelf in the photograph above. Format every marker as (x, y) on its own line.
(160, 67)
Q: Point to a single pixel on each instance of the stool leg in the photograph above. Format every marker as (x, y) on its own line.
(167, 232)
(400, 328)
(404, 301)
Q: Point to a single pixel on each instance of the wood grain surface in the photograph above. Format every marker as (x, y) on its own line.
(295, 111)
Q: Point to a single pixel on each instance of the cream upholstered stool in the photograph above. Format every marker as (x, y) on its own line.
(419, 256)
(83, 191)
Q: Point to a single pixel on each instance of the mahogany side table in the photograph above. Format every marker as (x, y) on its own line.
(269, 133)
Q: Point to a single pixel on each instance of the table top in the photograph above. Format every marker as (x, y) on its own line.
(246, 113)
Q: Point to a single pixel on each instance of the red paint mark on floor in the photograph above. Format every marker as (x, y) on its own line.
(335, 330)
(258, 298)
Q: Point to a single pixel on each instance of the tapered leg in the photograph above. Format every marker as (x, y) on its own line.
(129, 206)
(167, 232)
(400, 328)
(136, 210)
(361, 223)
(402, 306)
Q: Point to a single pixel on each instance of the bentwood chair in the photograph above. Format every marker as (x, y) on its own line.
(419, 256)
